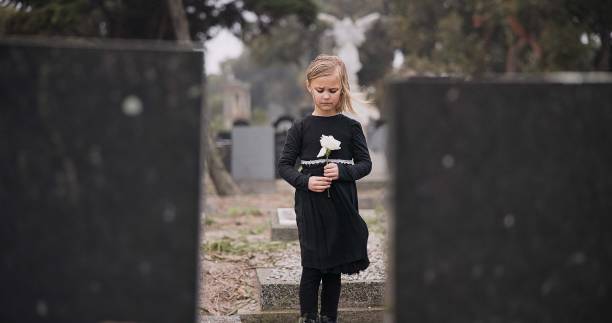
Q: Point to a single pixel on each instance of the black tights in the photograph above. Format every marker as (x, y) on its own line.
(309, 291)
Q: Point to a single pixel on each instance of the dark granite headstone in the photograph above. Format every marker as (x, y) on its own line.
(99, 189)
(503, 199)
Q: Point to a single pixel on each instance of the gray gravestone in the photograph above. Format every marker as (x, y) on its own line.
(100, 181)
(253, 164)
(503, 199)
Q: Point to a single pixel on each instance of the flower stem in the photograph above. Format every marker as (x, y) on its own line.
(327, 162)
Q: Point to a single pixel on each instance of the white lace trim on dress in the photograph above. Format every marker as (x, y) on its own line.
(322, 161)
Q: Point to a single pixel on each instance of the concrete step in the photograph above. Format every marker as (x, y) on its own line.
(345, 315)
(219, 319)
(284, 226)
(278, 290)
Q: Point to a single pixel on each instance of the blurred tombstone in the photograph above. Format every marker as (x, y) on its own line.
(223, 142)
(100, 181)
(281, 127)
(377, 144)
(502, 199)
(253, 158)
(377, 136)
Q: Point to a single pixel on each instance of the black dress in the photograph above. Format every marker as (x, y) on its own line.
(333, 236)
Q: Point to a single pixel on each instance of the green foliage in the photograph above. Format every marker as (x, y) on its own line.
(474, 37)
(60, 17)
(146, 19)
(305, 10)
(6, 13)
(288, 42)
(375, 54)
(351, 8)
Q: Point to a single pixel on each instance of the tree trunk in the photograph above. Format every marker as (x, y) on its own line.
(223, 182)
(179, 21)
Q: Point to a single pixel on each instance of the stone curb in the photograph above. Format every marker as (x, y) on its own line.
(345, 315)
(275, 295)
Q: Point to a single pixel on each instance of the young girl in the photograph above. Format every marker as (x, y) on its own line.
(333, 236)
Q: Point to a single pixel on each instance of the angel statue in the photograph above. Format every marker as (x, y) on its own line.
(348, 36)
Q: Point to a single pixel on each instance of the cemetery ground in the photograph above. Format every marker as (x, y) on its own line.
(236, 240)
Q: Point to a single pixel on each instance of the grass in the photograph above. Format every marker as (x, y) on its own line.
(255, 230)
(379, 209)
(375, 225)
(235, 211)
(241, 246)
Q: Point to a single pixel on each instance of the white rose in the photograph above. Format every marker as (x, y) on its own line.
(328, 143)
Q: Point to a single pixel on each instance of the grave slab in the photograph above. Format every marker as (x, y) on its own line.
(278, 294)
(253, 158)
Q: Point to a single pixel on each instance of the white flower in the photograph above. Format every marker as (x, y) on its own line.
(328, 143)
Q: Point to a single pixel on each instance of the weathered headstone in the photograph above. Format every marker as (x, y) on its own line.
(281, 128)
(284, 225)
(502, 199)
(100, 181)
(253, 163)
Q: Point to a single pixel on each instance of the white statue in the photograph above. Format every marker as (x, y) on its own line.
(348, 36)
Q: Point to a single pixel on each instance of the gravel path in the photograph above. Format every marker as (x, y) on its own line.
(287, 267)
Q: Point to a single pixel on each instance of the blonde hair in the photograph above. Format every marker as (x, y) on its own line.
(325, 65)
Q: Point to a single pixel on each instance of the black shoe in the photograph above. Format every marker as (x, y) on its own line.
(326, 319)
(305, 319)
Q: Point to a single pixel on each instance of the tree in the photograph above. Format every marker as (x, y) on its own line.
(484, 36)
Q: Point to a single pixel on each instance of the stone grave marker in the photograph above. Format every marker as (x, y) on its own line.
(502, 199)
(253, 164)
(100, 181)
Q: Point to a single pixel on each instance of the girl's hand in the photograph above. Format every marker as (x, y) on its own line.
(331, 171)
(318, 183)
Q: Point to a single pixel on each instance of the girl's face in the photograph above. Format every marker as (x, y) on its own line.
(325, 91)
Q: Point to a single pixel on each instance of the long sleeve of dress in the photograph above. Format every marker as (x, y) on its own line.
(286, 162)
(361, 157)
